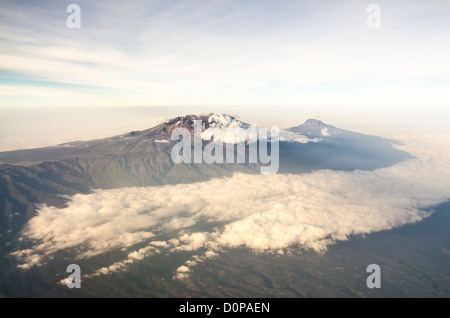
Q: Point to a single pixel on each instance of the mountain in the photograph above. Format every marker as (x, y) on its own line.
(316, 129)
(143, 158)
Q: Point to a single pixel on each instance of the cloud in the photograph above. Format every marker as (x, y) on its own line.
(182, 272)
(123, 264)
(227, 52)
(264, 213)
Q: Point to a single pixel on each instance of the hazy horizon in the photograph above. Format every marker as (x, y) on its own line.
(34, 127)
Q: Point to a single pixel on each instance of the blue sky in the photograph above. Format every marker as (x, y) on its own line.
(225, 53)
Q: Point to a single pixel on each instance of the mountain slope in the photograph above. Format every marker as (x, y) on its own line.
(143, 158)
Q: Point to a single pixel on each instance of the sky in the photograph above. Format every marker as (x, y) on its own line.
(229, 53)
(272, 63)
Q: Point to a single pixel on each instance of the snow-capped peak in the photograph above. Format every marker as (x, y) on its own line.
(240, 129)
(314, 128)
(223, 128)
(226, 124)
(218, 120)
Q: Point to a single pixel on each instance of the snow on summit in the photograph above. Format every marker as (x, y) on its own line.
(224, 122)
(215, 126)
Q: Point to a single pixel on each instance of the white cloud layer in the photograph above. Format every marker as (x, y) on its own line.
(260, 212)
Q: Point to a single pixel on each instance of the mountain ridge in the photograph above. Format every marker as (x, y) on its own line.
(143, 158)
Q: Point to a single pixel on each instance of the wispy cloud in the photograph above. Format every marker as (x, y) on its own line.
(259, 212)
(230, 52)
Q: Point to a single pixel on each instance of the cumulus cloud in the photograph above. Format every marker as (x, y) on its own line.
(259, 212)
(182, 272)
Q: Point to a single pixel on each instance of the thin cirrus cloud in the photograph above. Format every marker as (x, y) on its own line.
(275, 213)
(227, 52)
